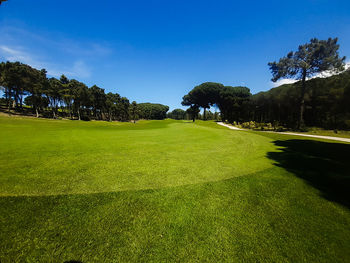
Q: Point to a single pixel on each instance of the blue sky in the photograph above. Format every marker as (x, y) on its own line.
(156, 51)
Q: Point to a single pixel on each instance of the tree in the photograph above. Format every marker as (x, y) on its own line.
(112, 100)
(193, 111)
(81, 95)
(134, 111)
(53, 94)
(123, 109)
(152, 111)
(177, 114)
(203, 95)
(98, 101)
(5, 84)
(15, 78)
(66, 93)
(230, 101)
(36, 84)
(311, 58)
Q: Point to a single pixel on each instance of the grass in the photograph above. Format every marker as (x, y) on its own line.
(169, 191)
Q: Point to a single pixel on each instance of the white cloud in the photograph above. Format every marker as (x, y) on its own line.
(79, 69)
(328, 73)
(58, 55)
(13, 54)
(324, 74)
(283, 82)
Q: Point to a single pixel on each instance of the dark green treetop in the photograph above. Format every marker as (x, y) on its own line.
(311, 58)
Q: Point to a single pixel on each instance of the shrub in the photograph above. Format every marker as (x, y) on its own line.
(85, 118)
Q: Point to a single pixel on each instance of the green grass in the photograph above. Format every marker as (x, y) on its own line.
(169, 191)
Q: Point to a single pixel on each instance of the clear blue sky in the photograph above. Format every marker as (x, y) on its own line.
(156, 51)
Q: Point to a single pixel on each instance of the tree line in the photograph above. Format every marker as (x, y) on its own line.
(229, 100)
(314, 102)
(180, 114)
(327, 103)
(70, 98)
(323, 102)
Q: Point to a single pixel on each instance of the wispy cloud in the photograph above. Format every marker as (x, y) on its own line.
(16, 54)
(81, 69)
(77, 69)
(324, 74)
(57, 55)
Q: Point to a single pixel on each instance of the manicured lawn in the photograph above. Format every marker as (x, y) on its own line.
(169, 191)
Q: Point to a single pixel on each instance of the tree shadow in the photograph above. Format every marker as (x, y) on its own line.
(324, 165)
(73, 261)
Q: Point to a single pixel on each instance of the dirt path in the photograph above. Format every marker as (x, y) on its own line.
(292, 133)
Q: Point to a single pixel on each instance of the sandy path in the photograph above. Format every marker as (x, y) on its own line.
(297, 134)
(318, 136)
(229, 126)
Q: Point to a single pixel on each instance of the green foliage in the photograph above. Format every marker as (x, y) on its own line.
(177, 114)
(152, 111)
(327, 103)
(230, 100)
(134, 112)
(311, 58)
(65, 97)
(193, 112)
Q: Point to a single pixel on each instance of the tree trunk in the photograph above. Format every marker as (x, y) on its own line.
(16, 98)
(9, 104)
(302, 101)
(8, 98)
(79, 113)
(21, 102)
(204, 117)
(37, 112)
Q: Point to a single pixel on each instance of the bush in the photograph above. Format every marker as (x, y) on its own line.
(85, 118)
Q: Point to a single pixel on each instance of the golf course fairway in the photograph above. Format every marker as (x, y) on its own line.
(160, 191)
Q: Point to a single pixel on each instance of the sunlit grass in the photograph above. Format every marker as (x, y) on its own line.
(165, 191)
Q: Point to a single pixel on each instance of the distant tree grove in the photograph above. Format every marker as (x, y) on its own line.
(310, 101)
(327, 103)
(322, 102)
(69, 98)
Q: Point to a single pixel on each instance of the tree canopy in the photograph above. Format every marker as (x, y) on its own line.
(65, 97)
(311, 58)
(152, 111)
(177, 114)
(228, 99)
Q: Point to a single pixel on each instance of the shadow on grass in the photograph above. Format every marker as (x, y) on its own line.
(325, 166)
